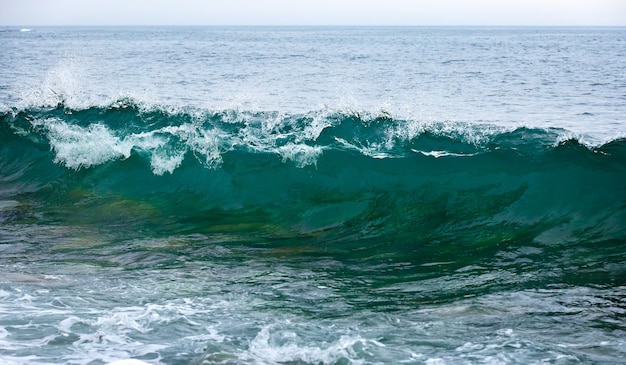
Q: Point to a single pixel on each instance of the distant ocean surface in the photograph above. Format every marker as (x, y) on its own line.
(313, 195)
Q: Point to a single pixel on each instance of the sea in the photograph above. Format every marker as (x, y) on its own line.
(313, 195)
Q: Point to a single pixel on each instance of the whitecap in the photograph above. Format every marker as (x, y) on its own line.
(301, 154)
(438, 154)
(77, 147)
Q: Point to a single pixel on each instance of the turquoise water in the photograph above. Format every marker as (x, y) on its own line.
(386, 197)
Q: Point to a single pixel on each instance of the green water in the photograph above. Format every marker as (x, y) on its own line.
(202, 239)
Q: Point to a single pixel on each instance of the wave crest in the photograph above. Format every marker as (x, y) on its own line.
(88, 137)
(84, 138)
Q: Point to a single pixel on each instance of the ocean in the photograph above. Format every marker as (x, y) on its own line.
(313, 195)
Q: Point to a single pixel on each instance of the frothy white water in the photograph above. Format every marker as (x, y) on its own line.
(270, 311)
(128, 362)
(276, 346)
(77, 147)
(82, 147)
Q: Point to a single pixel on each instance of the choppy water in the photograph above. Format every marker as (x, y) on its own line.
(313, 195)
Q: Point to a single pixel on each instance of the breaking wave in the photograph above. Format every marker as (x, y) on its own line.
(327, 176)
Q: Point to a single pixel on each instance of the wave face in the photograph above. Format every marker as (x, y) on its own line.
(327, 237)
(336, 178)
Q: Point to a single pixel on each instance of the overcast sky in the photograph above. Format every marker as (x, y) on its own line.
(313, 12)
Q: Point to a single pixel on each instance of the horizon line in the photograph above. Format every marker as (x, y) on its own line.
(331, 25)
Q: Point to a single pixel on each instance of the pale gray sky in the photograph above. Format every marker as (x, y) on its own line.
(313, 12)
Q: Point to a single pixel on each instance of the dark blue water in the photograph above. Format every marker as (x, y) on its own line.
(313, 195)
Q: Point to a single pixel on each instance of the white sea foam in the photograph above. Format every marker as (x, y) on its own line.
(301, 154)
(283, 346)
(205, 144)
(128, 362)
(77, 147)
(438, 154)
(163, 156)
(319, 122)
(165, 162)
